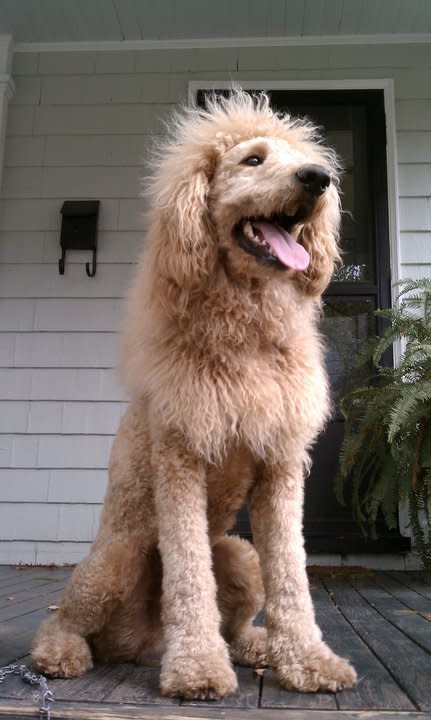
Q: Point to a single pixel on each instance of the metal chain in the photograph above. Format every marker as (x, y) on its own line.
(45, 695)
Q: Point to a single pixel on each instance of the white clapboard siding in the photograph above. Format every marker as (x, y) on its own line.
(64, 350)
(82, 125)
(20, 246)
(69, 417)
(416, 248)
(59, 384)
(21, 281)
(54, 486)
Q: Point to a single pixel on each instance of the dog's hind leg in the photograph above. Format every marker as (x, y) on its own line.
(240, 596)
(98, 583)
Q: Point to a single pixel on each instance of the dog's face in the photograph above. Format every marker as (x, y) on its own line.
(242, 186)
(264, 196)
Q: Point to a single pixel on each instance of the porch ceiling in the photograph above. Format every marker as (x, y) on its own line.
(31, 21)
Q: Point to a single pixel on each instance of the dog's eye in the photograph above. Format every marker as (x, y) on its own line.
(253, 160)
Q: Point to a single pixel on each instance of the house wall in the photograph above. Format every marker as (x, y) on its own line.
(79, 126)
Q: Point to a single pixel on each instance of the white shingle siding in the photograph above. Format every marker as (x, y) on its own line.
(80, 125)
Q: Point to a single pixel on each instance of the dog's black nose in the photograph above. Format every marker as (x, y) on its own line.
(314, 178)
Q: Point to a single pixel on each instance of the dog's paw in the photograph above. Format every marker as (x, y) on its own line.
(63, 654)
(250, 648)
(198, 678)
(317, 669)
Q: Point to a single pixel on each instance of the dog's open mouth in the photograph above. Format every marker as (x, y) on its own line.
(274, 240)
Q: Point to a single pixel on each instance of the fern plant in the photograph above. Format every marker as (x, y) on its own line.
(385, 456)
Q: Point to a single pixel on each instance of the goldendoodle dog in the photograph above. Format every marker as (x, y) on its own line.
(223, 360)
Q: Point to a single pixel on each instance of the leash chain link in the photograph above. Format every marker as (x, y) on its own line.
(45, 695)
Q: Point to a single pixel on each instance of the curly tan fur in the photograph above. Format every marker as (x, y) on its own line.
(223, 361)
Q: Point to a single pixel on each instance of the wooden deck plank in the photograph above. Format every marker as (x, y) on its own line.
(14, 610)
(73, 711)
(414, 581)
(404, 618)
(18, 590)
(26, 593)
(247, 695)
(139, 686)
(93, 687)
(18, 575)
(410, 598)
(408, 663)
(375, 689)
(275, 696)
(13, 650)
(379, 650)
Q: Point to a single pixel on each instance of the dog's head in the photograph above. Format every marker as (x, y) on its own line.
(246, 187)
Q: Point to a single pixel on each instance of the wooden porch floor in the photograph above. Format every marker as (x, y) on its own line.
(380, 620)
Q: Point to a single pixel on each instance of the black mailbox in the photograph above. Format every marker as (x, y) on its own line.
(79, 230)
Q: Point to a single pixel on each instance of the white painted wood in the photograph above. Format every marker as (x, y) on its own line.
(100, 150)
(65, 350)
(10, 551)
(60, 553)
(7, 88)
(75, 417)
(44, 281)
(221, 42)
(24, 486)
(63, 486)
(7, 351)
(47, 521)
(44, 214)
(59, 384)
(111, 89)
(13, 417)
(27, 91)
(108, 62)
(75, 314)
(21, 118)
(24, 63)
(417, 271)
(414, 147)
(415, 179)
(65, 63)
(415, 213)
(17, 315)
(23, 247)
(59, 182)
(415, 248)
(73, 451)
(24, 151)
(413, 114)
(92, 119)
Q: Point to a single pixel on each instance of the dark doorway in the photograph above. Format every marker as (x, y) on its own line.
(353, 122)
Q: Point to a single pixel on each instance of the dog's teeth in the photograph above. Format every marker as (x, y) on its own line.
(248, 231)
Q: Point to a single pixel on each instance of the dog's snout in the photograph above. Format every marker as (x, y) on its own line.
(314, 178)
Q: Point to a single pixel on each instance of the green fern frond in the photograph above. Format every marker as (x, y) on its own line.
(385, 456)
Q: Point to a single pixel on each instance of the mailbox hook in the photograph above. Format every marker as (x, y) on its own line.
(92, 272)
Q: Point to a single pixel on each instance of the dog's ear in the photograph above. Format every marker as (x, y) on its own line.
(185, 248)
(320, 239)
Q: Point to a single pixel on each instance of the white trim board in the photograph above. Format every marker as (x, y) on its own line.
(385, 84)
(225, 42)
(7, 89)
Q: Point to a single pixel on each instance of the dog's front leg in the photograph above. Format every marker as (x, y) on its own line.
(297, 652)
(196, 662)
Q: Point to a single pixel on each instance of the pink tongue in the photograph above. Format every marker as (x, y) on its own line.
(285, 247)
